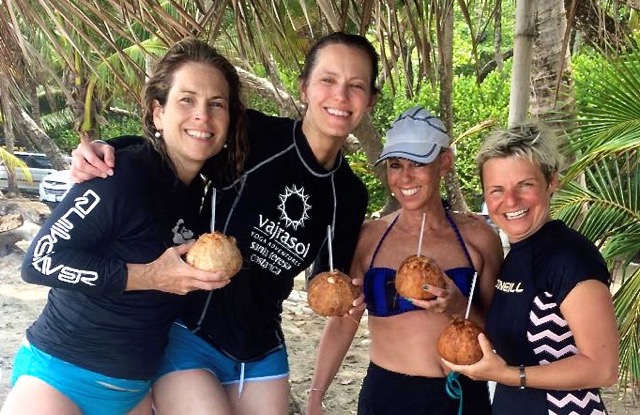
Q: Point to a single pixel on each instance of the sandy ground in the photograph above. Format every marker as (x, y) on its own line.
(20, 303)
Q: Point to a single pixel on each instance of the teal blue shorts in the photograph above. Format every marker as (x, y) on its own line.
(187, 351)
(93, 393)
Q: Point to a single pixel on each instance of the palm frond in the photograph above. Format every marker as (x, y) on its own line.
(12, 162)
(627, 309)
(613, 118)
(608, 205)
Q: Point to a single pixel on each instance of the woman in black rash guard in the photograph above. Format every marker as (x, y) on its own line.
(227, 354)
(97, 344)
(551, 329)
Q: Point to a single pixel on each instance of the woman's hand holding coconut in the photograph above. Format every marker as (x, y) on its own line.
(448, 300)
(333, 293)
(490, 367)
(170, 273)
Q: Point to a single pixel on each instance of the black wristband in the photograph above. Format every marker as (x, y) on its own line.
(523, 377)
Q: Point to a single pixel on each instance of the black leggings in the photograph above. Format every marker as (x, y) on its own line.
(389, 393)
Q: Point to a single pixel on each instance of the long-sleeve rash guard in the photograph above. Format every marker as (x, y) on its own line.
(82, 250)
(278, 211)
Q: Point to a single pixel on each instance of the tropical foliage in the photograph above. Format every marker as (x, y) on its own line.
(606, 206)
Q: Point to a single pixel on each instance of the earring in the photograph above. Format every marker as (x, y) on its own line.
(157, 134)
(393, 194)
(225, 145)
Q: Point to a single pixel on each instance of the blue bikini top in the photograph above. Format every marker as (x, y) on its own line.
(379, 283)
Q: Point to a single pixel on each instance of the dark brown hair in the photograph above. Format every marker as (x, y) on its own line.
(341, 38)
(157, 89)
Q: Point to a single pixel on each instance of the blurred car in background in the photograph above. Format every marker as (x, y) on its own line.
(37, 163)
(54, 186)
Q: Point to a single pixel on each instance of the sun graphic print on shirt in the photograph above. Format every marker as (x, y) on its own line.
(294, 207)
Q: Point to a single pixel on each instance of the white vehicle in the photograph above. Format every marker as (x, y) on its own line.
(39, 166)
(54, 186)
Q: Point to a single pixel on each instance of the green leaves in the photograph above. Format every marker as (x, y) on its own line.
(627, 309)
(601, 193)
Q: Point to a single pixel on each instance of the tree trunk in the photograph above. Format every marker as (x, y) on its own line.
(371, 143)
(524, 34)
(598, 28)
(552, 95)
(9, 137)
(289, 105)
(35, 103)
(444, 17)
(497, 36)
(42, 140)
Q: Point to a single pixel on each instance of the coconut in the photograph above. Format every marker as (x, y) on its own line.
(416, 271)
(458, 342)
(215, 252)
(331, 293)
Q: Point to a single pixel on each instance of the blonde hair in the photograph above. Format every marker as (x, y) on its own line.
(532, 141)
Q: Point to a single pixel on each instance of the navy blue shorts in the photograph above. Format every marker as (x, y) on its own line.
(389, 393)
(187, 351)
(93, 393)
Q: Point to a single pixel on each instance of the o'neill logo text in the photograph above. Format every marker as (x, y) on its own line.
(509, 287)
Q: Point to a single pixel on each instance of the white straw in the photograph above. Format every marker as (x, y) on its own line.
(473, 287)
(213, 210)
(421, 232)
(330, 250)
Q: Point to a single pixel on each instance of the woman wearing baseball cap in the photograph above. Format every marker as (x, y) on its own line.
(405, 373)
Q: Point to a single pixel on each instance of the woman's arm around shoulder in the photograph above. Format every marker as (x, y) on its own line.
(68, 251)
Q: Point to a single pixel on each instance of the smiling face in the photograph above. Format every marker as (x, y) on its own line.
(195, 119)
(337, 93)
(415, 185)
(517, 195)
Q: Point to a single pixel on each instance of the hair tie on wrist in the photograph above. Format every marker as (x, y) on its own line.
(316, 390)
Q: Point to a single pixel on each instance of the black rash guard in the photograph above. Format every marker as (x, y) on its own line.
(278, 211)
(82, 250)
(526, 325)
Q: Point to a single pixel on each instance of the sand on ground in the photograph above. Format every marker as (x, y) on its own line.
(20, 304)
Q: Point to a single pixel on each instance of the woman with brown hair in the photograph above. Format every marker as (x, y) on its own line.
(97, 345)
